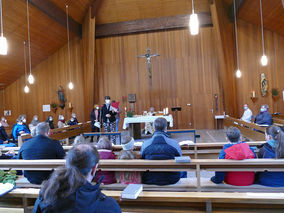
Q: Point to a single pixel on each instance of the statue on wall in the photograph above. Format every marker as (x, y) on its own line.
(61, 97)
(263, 84)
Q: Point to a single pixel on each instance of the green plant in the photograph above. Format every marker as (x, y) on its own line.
(53, 105)
(275, 92)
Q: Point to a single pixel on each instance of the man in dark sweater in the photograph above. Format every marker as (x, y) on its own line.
(40, 147)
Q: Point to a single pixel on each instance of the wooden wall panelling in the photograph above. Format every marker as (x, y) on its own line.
(250, 53)
(184, 73)
(88, 42)
(48, 76)
(224, 38)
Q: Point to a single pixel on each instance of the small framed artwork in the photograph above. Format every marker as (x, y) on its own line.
(7, 113)
(46, 108)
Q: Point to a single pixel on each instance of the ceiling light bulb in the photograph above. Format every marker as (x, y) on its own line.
(3, 45)
(31, 79)
(70, 85)
(193, 24)
(238, 73)
(263, 60)
(27, 89)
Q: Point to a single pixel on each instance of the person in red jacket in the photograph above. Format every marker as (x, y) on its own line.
(235, 150)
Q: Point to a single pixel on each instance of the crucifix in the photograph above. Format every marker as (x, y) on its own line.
(148, 56)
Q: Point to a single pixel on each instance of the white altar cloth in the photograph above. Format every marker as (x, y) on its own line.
(146, 119)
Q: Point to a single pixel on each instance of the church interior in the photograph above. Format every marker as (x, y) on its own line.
(197, 72)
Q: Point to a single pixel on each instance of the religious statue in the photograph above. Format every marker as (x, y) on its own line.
(61, 97)
(148, 56)
(263, 84)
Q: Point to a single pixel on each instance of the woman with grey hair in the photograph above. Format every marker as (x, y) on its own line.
(33, 125)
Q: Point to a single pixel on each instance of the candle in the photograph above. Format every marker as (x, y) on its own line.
(70, 105)
(253, 94)
(125, 108)
(167, 110)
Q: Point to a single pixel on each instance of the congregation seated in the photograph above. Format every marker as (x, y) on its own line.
(104, 147)
(49, 120)
(127, 153)
(4, 139)
(247, 115)
(160, 147)
(263, 117)
(20, 127)
(40, 147)
(4, 122)
(8, 155)
(61, 121)
(73, 120)
(235, 150)
(33, 124)
(70, 189)
(273, 148)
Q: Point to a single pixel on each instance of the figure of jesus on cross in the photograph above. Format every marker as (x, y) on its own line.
(148, 56)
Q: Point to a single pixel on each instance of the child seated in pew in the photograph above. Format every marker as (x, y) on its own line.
(104, 147)
(273, 148)
(127, 153)
(235, 150)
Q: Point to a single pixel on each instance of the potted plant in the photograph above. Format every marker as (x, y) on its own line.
(275, 94)
(53, 107)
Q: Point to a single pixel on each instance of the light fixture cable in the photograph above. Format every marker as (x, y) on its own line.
(236, 36)
(1, 19)
(261, 20)
(29, 38)
(68, 46)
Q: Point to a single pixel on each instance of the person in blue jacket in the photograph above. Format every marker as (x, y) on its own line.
(73, 120)
(4, 139)
(20, 128)
(263, 117)
(273, 148)
(70, 188)
(161, 147)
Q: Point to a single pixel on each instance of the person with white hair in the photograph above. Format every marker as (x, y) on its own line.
(40, 147)
(73, 120)
(33, 124)
(247, 115)
(61, 121)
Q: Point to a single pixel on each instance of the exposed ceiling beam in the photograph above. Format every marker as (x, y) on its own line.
(95, 7)
(151, 24)
(54, 12)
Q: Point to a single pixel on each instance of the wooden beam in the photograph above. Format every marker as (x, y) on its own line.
(95, 7)
(54, 12)
(151, 24)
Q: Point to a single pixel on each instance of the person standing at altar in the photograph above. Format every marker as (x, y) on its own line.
(149, 129)
(95, 120)
(117, 116)
(247, 116)
(108, 116)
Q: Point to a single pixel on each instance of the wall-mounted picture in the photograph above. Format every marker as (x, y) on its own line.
(7, 113)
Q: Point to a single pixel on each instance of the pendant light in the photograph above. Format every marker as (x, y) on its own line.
(26, 88)
(193, 22)
(263, 59)
(3, 40)
(238, 72)
(31, 78)
(70, 85)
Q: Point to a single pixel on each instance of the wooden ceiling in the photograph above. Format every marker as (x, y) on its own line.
(112, 11)
(47, 35)
(272, 10)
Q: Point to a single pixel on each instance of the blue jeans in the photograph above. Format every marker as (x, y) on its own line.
(116, 124)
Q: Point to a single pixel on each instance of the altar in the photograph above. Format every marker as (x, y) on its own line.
(134, 123)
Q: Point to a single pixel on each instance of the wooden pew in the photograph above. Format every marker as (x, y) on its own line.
(278, 121)
(249, 130)
(195, 151)
(196, 165)
(61, 133)
(156, 201)
(177, 131)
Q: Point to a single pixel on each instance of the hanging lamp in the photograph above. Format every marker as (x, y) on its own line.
(193, 22)
(3, 40)
(31, 78)
(238, 71)
(263, 59)
(70, 85)
(26, 88)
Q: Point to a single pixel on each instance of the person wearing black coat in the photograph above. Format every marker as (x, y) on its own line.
(264, 117)
(49, 120)
(95, 120)
(108, 117)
